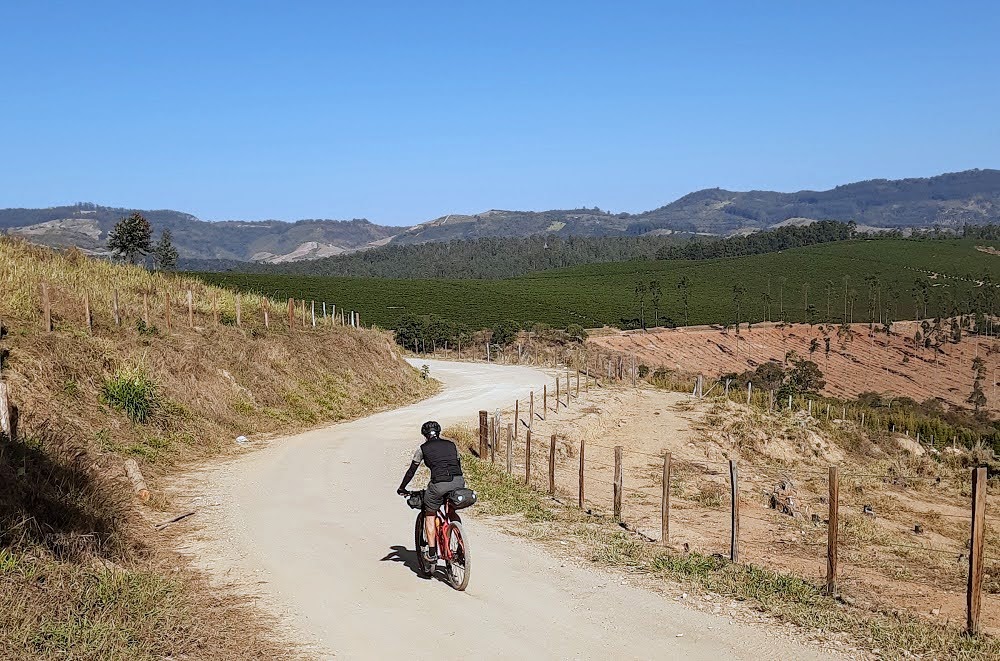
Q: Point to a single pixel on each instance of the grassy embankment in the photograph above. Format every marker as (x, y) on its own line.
(81, 572)
(784, 597)
(600, 294)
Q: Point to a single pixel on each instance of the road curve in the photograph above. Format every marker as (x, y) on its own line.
(315, 520)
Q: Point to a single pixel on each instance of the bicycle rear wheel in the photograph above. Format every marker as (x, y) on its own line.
(424, 568)
(460, 565)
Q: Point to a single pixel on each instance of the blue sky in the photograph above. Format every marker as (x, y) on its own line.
(402, 112)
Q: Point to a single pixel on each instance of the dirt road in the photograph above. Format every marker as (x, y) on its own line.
(314, 521)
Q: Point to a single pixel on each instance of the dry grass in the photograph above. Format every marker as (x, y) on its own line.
(784, 597)
(71, 275)
(80, 576)
(212, 382)
(52, 610)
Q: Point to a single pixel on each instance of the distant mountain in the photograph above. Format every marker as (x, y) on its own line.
(947, 200)
(87, 225)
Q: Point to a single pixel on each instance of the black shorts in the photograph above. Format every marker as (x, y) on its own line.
(436, 492)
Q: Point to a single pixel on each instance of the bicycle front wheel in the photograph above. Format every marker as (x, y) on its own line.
(424, 569)
(460, 565)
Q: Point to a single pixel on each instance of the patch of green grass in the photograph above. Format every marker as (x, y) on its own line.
(502, 494)
(146, 329)
(132, 392)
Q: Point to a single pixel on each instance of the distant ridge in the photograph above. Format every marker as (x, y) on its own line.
(948, 200)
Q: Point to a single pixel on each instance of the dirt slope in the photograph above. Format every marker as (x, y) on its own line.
(853, 365)
(314, 522)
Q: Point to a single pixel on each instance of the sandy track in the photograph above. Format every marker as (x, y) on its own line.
(314, 522)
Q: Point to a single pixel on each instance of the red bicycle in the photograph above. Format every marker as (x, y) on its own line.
(452, 545)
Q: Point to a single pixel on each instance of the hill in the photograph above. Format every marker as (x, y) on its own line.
(935, 271)
(948, 201)
(164, 390)
(86, 226)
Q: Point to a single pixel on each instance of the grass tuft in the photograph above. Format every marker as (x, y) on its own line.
(132, 392)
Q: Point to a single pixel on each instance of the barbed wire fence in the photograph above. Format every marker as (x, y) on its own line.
(627, 484)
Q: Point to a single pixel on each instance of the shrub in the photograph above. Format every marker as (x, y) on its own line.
(145, 329)
(132, 392)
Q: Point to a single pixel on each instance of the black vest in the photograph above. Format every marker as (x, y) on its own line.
(441, 456)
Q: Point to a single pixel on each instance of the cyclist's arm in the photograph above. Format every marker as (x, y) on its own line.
(418, 456)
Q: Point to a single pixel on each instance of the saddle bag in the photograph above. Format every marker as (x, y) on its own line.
(462, 498)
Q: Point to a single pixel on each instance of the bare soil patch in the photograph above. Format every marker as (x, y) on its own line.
(885, 562)
(857, 362)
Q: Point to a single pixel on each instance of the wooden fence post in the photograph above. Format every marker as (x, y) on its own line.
(618, 484)
(510, 447)
(239, 309)
(115, 309)
(734, 541)
(46, 309)
(493, 440)
(974, 594)
(5, 420)
(531, 410)
(556, 409)
(749, 392)
(265, 303)
(833, 529)
(166, 311)
(291, 313)
(569, 390)
(145, 308)
(527, 458)
(88, 317)
(583, 449)
(484, 430)
(190, 302)
(215, 308)
(545, 400)
(552, 465)
(517, 415)
(313, 307)
(665, 502)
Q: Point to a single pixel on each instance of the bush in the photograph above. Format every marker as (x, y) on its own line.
(145, 329)
(132, 392)
(576, 332)
(505, 332)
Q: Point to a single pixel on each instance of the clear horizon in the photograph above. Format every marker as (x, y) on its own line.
(471, 213)
(402, 114)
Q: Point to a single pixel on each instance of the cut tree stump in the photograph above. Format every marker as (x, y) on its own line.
(135, 477)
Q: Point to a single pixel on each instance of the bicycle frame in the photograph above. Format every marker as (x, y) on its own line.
(445, 516)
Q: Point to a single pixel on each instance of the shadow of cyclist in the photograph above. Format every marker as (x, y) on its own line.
(404, 555)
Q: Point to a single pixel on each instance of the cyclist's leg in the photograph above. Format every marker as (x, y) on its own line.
(433, 499)
(430, 532)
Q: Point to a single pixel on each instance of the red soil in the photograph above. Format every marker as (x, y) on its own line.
(854, 365)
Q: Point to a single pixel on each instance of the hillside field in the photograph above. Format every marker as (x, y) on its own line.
(604, 294)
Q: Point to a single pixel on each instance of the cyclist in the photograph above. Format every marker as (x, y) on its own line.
(441, 457)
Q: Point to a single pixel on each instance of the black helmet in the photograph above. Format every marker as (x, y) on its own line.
(430, 429)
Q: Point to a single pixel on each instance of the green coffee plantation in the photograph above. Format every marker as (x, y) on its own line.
(819, 276)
